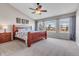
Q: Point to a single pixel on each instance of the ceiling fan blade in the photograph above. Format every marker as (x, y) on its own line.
(43, 10)
(33, 12)
(32, 8)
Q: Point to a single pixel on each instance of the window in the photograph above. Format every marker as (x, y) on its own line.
(50, 25)
(64, 25)
(47, 25)
(61, 25)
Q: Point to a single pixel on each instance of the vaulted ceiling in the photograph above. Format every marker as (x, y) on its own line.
(53, 9)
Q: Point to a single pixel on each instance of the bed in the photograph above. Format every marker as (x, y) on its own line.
(26, 34)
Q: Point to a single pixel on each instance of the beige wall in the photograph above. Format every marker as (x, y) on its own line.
(8, 15)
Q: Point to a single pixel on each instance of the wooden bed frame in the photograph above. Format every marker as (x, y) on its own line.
(32, 36)
(36, 36)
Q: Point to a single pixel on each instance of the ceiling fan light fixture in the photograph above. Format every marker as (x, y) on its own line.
(37, 12)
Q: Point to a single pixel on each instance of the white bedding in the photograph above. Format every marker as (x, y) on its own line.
(22, 35)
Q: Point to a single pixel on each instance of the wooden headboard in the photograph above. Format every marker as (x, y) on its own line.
(16, 28)
(14, 31)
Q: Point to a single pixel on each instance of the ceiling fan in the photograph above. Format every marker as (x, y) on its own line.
(38, 9)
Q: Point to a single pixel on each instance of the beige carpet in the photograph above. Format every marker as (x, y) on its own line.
(49, 47)
(11, 47)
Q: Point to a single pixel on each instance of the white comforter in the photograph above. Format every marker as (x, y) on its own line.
(22, 35)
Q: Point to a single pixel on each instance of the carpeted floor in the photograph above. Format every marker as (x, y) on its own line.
(49, 47)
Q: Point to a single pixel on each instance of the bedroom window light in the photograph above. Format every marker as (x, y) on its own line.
(64, 25)
(50, 26)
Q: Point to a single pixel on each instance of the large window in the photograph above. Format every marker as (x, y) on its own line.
(50, 25)
(61, 25)
(47, 25)
(64, 25)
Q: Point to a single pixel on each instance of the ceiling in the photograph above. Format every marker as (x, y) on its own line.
(53, 9)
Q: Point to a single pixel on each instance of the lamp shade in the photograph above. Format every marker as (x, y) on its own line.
(5, 26)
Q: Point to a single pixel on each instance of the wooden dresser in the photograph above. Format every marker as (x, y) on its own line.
(5, 37)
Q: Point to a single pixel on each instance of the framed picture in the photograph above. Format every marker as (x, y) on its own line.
(18, 20)
(22, 21)
(27, 21)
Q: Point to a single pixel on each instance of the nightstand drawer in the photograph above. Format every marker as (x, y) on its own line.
(4, 37)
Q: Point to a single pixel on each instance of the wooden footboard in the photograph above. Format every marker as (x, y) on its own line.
(36, 36)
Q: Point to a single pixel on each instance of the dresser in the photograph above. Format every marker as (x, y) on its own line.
(5, 37)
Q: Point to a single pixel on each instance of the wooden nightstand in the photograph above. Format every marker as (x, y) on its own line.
(5, 37)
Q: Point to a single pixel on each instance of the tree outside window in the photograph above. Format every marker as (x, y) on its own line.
(50, 26)
(64, 25)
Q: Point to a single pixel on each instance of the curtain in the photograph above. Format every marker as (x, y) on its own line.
(73, 28)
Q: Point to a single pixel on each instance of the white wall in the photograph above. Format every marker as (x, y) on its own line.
(77, 26)
(8, 15)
